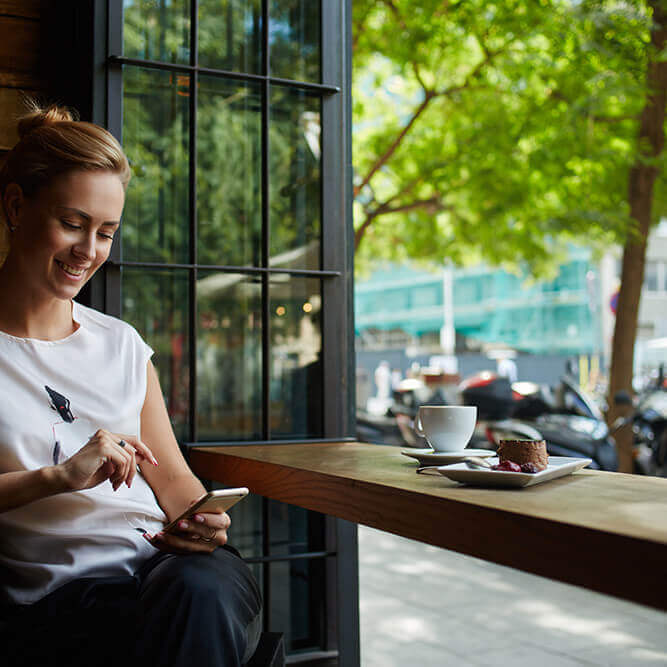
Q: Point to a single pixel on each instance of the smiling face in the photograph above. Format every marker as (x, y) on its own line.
(63, 233)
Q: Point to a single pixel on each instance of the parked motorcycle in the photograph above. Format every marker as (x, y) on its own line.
(566, 418)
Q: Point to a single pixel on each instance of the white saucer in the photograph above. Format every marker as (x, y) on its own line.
(558, 467)
(429, 457)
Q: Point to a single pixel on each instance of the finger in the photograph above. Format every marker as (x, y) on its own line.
(188, 530)
(220, 521)
(133, 467)
(142, 450)
(120, 459)
(175, 543)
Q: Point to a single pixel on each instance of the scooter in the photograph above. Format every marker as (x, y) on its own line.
(567, 419)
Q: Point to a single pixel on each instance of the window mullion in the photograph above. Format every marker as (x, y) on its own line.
(192, 193)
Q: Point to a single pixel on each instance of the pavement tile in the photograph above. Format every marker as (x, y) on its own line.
(638, 656)
(379, 653)
(438, 605)
(527, 656)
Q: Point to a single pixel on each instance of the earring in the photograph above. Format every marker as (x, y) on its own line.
(12, 228)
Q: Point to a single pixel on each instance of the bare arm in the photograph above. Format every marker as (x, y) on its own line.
(174, 484)
(172, 481)
(24, 486)
(101, 458)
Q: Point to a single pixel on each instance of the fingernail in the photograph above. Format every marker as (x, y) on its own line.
(154, 461)
(183, 524)
(148, 536)
(199, 518)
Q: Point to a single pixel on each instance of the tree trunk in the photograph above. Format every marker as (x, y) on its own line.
(640, 197)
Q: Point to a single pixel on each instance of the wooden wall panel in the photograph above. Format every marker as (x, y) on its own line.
(11, 107)
(20, 61)
(26, 8)
(20, 56)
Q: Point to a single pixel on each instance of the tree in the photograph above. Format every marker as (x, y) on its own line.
(504, 130)
(643, 175)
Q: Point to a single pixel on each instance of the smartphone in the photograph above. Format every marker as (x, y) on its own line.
(213, 501)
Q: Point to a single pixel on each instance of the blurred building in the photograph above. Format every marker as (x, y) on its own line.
(404, 306)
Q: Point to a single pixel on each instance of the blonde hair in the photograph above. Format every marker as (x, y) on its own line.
(52, 141)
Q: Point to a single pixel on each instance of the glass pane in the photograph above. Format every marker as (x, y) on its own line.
(155, 302)
(229, 218)
(298, 602)
(296, 366)
(295, 179)
(156, 140)
(294, 530)
(294, 39)
(229, 357)
(157, 30)
(230, 35)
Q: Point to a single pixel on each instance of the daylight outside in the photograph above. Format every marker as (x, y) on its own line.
(343, 211)
(510, 212)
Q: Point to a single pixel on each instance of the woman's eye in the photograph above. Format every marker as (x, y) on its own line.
(106, 236)
(69, 225)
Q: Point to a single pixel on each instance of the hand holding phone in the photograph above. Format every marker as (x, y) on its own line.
(214, 501)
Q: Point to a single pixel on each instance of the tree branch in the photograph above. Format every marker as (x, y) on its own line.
(433, 203)
(396, 143)
(428, 96)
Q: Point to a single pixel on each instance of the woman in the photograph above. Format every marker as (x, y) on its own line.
(89, 466)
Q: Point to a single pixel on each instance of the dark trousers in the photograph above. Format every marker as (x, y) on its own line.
(198, 610)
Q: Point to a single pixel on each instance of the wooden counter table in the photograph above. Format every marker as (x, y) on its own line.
(603, 531)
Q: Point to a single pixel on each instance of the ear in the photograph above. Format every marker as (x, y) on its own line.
(12, 203)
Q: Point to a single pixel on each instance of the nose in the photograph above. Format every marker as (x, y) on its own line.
(85, 248)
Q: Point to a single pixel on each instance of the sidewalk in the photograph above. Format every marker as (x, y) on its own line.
(422, 606)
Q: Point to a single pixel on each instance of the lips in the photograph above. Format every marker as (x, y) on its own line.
(70, 270)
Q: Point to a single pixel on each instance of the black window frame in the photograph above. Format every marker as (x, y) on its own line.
(86, 74)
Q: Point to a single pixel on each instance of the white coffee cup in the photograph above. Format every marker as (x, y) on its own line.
(447, 428)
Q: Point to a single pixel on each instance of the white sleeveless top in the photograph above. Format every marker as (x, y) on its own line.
(55, 395)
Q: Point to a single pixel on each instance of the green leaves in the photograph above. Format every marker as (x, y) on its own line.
(500, 130)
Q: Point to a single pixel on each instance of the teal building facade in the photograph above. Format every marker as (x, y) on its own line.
(490, 307)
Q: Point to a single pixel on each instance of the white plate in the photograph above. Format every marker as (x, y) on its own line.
(558, 467)
(427, 457)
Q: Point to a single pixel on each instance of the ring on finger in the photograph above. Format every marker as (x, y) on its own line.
(206, 539)
(122, 443)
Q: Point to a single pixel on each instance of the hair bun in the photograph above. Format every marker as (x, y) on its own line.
(38, 117)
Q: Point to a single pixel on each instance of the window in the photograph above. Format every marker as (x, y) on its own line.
(651, 276)
(234, 260)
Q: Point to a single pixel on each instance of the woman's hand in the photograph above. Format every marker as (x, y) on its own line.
(203, 532)
(106, 455)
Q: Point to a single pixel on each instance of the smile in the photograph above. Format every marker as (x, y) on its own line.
(72, 271)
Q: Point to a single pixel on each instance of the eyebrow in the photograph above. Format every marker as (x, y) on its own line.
(86, 216)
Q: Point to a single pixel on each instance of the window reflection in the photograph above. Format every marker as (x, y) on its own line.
(156, 140)
(229, 357)
(296, 365)
(155, 302)
(295, 196)
(229, 221)
(157, 30)
(294, 39)
(230, 35)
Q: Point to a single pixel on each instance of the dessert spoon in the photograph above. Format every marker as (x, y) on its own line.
(475, 462)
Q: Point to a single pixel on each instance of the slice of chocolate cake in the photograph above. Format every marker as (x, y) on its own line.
(524, 451)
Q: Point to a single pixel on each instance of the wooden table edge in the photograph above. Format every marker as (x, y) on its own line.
(539, 546)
